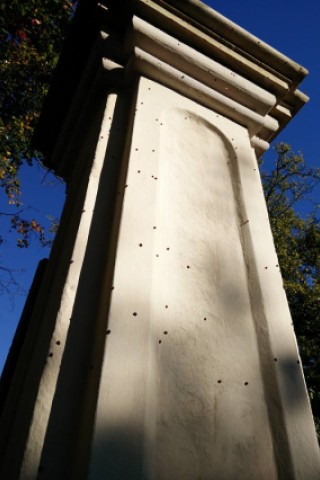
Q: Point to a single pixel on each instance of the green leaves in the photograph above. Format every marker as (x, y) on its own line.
(297, 241)
(31, 38)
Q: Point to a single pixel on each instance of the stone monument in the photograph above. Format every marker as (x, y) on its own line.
(158, 344)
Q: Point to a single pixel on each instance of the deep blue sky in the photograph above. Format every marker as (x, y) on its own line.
(291, 27)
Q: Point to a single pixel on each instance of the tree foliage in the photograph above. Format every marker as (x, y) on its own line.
(31, 38)
(297, 240)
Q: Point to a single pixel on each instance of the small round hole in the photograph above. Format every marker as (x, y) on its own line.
(246, 383)
(108, 332)
(134, 314)
(165, 332)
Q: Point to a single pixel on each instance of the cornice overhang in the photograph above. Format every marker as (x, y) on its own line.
(185, 46)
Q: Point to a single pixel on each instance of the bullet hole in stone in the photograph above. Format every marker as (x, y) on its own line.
(168, 248)
(298, 361)
(205, 319)
(219, 381)
(166, 306)
(165, 332)
(188, 266)
(182, 76)
(101, 136)
(266, 268)
(140, 244)
(109, 118)
(156, 178)
(159, 341)
(50, 354)
(275, 359)
(126, 186)
(137, 149)
(154, 228)
(149, 87)
(277, 265)
(108, 332)
(112, 288)
(141, 103)
(58, 342)
(134, 314)
(161, 123)
(153, 150)
(157, 255)
(152, 176)
(71, 261)
(157, 119)
(254, 169)
(246, 383)
(139, 171)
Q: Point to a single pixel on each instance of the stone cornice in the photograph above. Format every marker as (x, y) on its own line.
(231, 34)
(186, 46)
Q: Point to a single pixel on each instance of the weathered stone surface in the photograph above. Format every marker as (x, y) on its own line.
(161, 344)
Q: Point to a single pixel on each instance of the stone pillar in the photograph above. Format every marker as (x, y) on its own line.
(161, 345)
